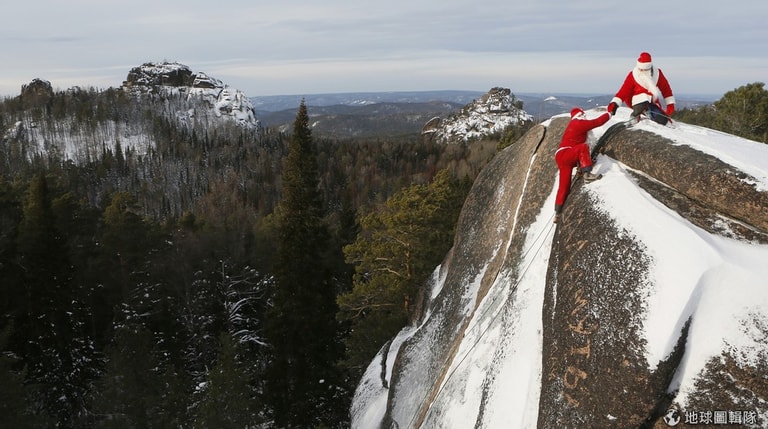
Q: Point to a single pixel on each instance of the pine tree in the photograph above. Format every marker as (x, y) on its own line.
(16, 405)
(11, 298)
(302, 381)
(228, 400)
(399, 246)
(744, 112)
(50, 328)
(136, 389)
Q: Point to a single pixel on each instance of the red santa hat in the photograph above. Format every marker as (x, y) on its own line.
(575, 111)
(644, 61)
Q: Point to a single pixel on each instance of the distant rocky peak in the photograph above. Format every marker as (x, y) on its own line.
(206, 98)
(497, 100)
(484, 117)
(169, 74)
(161, 74)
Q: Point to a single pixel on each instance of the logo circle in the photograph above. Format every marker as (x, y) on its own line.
(672, 417)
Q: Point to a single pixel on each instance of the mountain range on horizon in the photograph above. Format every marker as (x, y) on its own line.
(538, 104)
(367, 114)
(362, 114)
(269, 108)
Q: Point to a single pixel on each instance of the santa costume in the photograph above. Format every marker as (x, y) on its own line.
(645, 87)
(574, 151)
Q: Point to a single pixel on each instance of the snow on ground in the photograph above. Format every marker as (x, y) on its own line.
(519, 346)
(717, 282)
(370, 403)
(79, 144)
(738, 152)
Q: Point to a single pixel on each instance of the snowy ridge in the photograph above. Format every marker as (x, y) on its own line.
(713, 283)
(193, 100)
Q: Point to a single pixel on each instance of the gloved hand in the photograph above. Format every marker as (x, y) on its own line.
(670, 109)
(612, 108)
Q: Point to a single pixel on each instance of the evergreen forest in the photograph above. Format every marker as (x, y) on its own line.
(212, 279)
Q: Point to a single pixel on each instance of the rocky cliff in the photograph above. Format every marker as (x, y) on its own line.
(204, 97)
(645, 307)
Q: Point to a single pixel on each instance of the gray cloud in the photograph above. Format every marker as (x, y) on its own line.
(297, 46)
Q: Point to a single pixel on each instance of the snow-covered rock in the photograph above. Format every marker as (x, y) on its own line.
(487, 116)
(203, 96)
(645, 306)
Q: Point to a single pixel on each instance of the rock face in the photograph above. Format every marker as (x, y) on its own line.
(491, 238)
(169, 74)
(594, 364)
(704, 179)
(593, 361)
(573, 337)
(200, 97)
(487, 116)
(163, 74)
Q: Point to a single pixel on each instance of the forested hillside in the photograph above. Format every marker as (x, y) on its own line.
(138, 263)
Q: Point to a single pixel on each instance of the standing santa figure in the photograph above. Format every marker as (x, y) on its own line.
(647, 90)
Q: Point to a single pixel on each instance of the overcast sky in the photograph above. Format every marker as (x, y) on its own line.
(329, 46)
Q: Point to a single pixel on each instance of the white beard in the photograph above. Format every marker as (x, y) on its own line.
(648, 81)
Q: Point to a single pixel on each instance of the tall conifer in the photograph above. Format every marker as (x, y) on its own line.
(57, 352)
(302, 382)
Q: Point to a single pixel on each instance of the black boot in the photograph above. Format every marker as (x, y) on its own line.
(639, 109)
(591, 177)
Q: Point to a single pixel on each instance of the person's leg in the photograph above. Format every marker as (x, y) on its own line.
(565, 165)
(655, 113)
(639, 108)
(563, 186)
(584, 157)
(585, 163)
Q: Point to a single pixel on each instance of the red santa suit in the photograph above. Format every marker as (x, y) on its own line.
(645, 84)
(574, 151)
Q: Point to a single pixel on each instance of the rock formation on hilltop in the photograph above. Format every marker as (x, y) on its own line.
(126, 116)
(150, 75)
(487, 116)
(36, 93)
(503, 343)
(200, 98)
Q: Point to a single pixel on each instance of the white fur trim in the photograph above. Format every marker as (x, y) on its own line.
(639, 98)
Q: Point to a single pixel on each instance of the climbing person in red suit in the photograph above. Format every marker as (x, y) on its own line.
(574, 152)
(646, 90)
